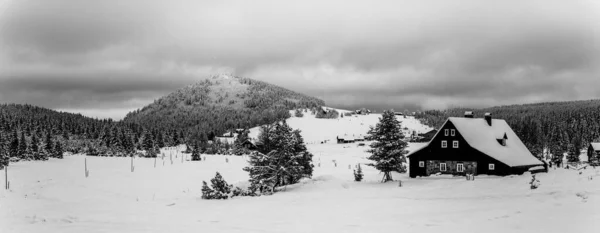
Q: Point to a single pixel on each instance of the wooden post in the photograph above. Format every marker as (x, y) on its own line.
(6, 176)
(132, 168)
(87, 172)
(155, 162)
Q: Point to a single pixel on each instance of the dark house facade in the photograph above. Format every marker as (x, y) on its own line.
(593, 153)
(472, 146)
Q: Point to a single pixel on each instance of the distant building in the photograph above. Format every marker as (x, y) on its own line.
(345, 139)
(472, 146)
(593, 153)
(429, 135)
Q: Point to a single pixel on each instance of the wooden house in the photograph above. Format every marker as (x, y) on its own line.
(472, 146)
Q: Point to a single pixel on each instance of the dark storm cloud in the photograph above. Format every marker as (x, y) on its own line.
(114, 56)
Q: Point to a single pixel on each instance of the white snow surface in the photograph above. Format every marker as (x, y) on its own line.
(55, 196)
(315, 130)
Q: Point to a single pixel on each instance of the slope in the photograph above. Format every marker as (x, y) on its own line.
(221, 103)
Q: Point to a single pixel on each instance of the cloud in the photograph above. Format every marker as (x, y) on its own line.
(69, 54)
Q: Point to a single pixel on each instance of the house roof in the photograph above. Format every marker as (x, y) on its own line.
(595, 145)
(482, 137)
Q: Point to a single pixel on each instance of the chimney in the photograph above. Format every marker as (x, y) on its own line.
(468, 114)
(488, 118)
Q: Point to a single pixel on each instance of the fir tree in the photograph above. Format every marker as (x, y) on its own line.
(49, 145)
(388, 149)
(207, 192)
(58, 150)
(358, 174)
(22, 146)
(219, 188)
(148, 142)
(196, 152)
(238, 144)
(14, 145)
(287, 163)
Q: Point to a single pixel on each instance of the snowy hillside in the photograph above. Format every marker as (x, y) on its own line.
(315, 130)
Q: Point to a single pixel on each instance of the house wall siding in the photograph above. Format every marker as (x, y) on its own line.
(464, 153)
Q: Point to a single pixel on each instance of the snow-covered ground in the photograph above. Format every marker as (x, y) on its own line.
(55, 196)
(315, 130)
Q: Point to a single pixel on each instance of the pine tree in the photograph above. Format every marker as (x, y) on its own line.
(207, 192)
(219, 188)
(4, 159)
(58, 150)
(196, 152)
(238, 144)
(148, 142)
(49, 146)
(358, 174)
(286, 163)
(14, 145)
(22, 146)
(388, 149)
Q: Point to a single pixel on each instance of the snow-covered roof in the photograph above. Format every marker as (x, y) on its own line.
(595, 145)
(482, 137)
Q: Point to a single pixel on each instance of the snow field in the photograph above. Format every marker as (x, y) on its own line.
(55, 195)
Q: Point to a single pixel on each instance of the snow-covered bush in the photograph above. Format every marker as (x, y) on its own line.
(220, 189)
(534, 183)
(298, 113)
(358, 174)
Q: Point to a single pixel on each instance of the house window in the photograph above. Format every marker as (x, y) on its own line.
(491, 166)
(446, 132)
(452, 132)
(460, 167)
(443, 167)
(421, 163)
(454, 144)
(444, 144)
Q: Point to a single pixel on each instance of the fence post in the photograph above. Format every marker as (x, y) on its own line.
(6, 176)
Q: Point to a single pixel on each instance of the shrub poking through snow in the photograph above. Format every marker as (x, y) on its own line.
(358, 174)
(534, 183)
(196, 153)
(388, 150)
(220, 189)
(283, 160)
(298, 113)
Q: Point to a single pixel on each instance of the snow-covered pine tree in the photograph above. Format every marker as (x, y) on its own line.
(358, 174)
(58, 150)
(22, 146)
(388, 149)
(196, 152)
(49, 146)
(287, 162)
(238, 144)
(207, 192)
(3, 152)
(222, 190)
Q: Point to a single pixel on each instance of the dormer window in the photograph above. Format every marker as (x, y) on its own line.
(452, 132)
(502, 140)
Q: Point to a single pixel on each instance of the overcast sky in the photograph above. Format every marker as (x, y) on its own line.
(104, 58)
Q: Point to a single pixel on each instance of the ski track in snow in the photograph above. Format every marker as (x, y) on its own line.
(55, 195)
